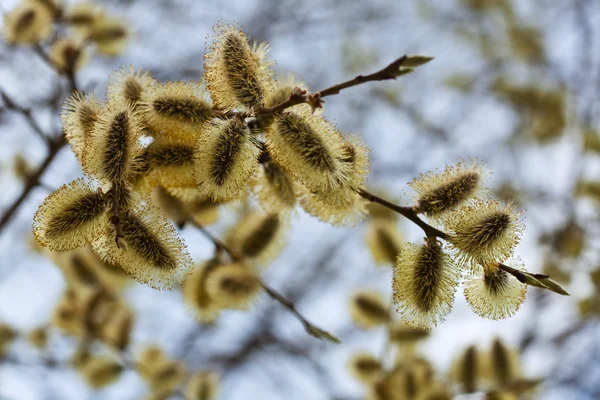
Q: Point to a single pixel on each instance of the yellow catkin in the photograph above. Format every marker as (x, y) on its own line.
(116, 331)
(38, 337)
(171, 162)
(113, 148)
(82, 16)
(128, 84)
(310, 149)
(196, 296)
(368, 309)
(425, 281)
(168, 375)
(203, 210)
(484, 232)
(28, 23)
(275, 190)
(503, 364)
(466, 370)
(110, 35)
(68, 55)
(148, 360)
(176, 109)
(234, 75)
(258, 236)
(79, 116)
(365, 367)
(233, 286)
(384, 241)
(7, 335)
(437, 193)
(226, 157)
(400, 333)
(204, 385)
(495, 295)
(70, 216)
(153, 252)
(100, 371)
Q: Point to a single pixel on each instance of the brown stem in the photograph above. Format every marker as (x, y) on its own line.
(115, 218)
(10, 104)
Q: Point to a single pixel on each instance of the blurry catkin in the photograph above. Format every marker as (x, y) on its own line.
(128, 85)
(425, 281)
(437, 193)
(168, 375)
(495, 295)
(591, 140)
(153, 254)
(148, 360)
(365, 367)
(7, 335)
(233, 286)
(274, 189)
(100, 372)
(170, 205)
(204, 385)
(485, 232)
(203, 210)
(195, 294)
(171, 162)
(70, 216)
(402, 334)
(226, 157)
(117, 330)
(68, 55)
(109, 34)
(368, 309)
(82, 15)
(384, 241)
(503, 364)
(310, 149)
(258, 236)
(466, 370)
(112, 150)
(28, 23)
(176, 109)
(78, 117)
(21, 167)
(234, 76)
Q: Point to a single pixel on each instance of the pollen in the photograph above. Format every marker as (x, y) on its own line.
(69, 217)
(368, 309)
(226, 157)
(425, 281)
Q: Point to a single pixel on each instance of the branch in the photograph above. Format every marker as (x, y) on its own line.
(10, 104)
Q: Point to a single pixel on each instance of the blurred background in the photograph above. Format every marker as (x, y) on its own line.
(514, 83)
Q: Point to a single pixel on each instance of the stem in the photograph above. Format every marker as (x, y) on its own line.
(10, 104)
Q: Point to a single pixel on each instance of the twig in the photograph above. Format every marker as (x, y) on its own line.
(10, 104)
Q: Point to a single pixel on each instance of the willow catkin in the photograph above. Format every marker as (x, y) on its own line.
(7, 335)
(275, 190)
(203, 385)
(196, 296)
(38, 337)
(495, 295)
(171, 162)
(128, 84)
(81, 16)
(402, 334)
(202, 209)
(466, 370)
(116, 332)
(437, 193)
(68, 55)
(113, 148)
(28, 23)
(109, 34)
(365, 367)
(153, 253)
(70, 216)
(503, 364)
(176, 109)
(79, 115)
(233, 286)
(225, 157)
(484, 231)
(99, 371)
(234, 75)
(258, 236)
(309, 148)
(368, 309)
(384, 241)
(425, 281)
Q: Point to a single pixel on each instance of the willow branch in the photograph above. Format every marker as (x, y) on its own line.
(10, 104)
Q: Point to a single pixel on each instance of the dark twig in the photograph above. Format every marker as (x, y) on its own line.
(10, 104)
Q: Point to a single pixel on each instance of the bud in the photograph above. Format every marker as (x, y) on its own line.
(202, 386)
(68, 55)
(113, 149)
(258, 236)
(195, 294)
(70, 216)
(438, 193)
(233, 286)
(495, 295)
(484, 231)
(109, 34)
(116, 331)
(365, 367)
(401, 334)
(226, 157)
(79, 116)
(384, 241)
(368, 309)
(28, 23)
(425, 281)
(82, 16)
(416, 60)
(234, 75)
(128, 85)
(153, 253)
